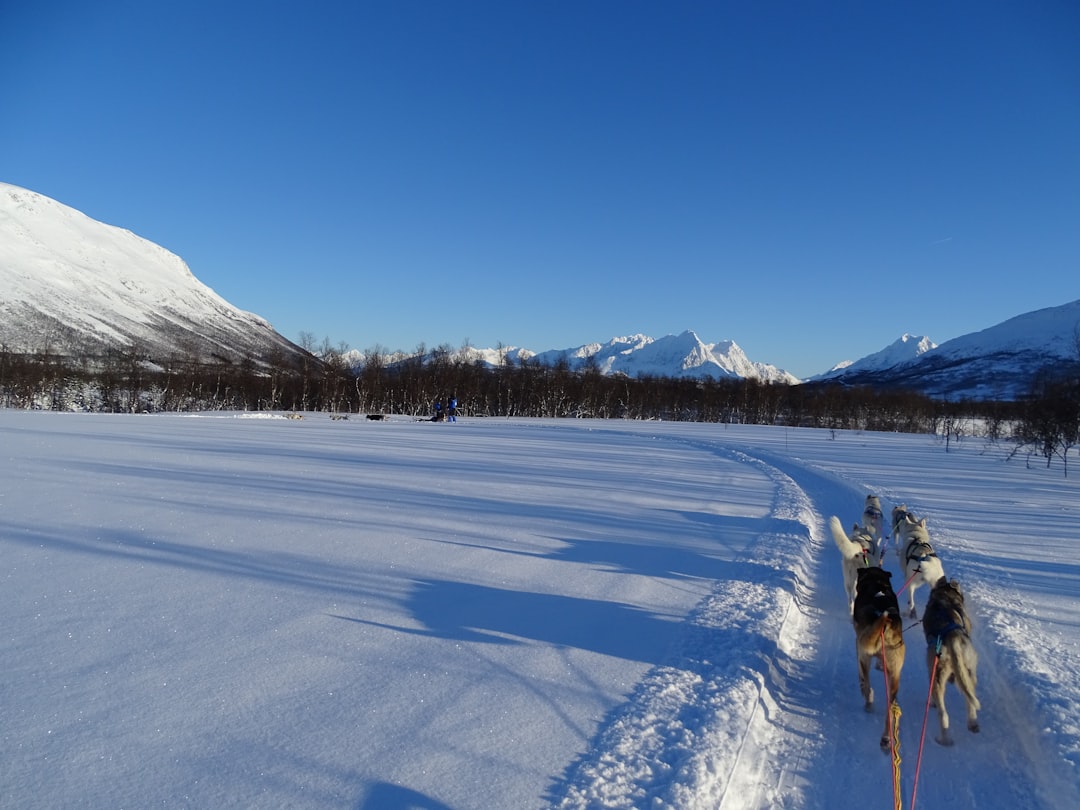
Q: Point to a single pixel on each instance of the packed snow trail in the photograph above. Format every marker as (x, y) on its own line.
(1008, 764)
(766, 697)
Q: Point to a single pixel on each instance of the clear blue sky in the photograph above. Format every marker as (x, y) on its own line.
(808, 179)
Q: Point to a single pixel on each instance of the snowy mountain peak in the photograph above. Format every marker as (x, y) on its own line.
(903, 350)
(996, 363)
(682, 355)
(74, 285)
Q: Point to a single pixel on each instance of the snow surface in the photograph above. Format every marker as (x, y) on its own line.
(227, 611)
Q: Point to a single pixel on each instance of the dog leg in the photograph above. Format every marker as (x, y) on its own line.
(964, 660)
(967, 686)
(864, 682)
(973, 718)
(885, 742)
(912, 613)
(893, 665)
(943, 738)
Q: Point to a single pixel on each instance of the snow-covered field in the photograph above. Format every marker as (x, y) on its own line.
(223, 611)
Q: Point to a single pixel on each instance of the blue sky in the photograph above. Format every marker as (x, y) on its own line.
(811, 180)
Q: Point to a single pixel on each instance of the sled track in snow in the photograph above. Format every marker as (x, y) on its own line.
(761, 708)
(695, 733)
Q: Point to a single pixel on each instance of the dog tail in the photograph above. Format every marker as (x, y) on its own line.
(963, 653)
(888, 626)
(847, 546)
(894, 629)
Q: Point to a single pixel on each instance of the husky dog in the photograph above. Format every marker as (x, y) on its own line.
(879, 633)
(872, 516)
(859, 550)
(948, 638)
(899, 516)
(918, 560)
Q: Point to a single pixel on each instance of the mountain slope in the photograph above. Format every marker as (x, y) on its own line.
(73, 285)
(996, 363)
(904, 350)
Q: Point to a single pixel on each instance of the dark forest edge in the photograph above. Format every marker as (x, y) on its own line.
(1046, 423)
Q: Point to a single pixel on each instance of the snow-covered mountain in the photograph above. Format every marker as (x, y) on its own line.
(682, 355)
(996, 363)
(904, 350)
(73, 285)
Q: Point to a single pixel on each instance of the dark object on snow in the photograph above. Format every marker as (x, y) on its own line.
(376, 417)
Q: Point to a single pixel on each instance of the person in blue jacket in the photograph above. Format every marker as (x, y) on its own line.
(451, 411)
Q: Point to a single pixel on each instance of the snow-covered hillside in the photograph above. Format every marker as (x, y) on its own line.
(227, 611)
(904, 350)
(73, 285)
(995, 363)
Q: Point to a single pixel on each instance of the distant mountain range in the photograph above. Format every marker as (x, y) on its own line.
(682, 355)
(996, 363)
(75, 286)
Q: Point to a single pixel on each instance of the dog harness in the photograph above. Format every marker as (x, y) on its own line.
(944, 634)
(913, 555)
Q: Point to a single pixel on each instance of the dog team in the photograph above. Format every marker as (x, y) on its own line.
(875, 611)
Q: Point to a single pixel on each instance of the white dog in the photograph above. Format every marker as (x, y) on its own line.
(918, 560)
(859, 550)
(872, 516)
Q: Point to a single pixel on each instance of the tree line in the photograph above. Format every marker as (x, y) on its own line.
(1046, 423)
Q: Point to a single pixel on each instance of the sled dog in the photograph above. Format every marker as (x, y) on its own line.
(948, 639)
(873, 518)
(879, 633)
(858, 550)
(918, 560)
(900, 514)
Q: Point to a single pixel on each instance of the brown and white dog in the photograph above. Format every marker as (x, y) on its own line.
(918, 560)
(950, 651)
(879, 633)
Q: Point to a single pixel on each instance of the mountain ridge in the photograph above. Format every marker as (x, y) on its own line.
(73, 285)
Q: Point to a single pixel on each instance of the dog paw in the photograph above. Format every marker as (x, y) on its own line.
(973, 727)
(944, 739)
(884, 742)
(912, 613)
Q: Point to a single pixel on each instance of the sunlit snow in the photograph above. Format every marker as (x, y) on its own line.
(221, 611)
